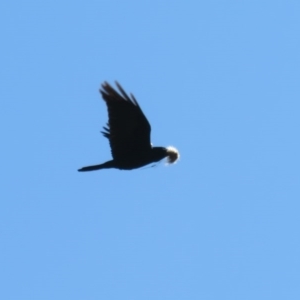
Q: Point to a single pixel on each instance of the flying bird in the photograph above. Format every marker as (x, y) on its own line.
(128, 132)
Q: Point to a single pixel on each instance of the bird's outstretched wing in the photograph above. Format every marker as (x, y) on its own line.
(128, 130)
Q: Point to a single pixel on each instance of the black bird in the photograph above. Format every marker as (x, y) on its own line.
(128, 132)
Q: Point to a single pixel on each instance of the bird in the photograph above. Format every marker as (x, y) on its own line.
(128, 132)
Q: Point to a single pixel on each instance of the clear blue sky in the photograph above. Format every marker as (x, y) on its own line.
(217, 79)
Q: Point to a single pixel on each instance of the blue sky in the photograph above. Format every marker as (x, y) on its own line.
(217, 79)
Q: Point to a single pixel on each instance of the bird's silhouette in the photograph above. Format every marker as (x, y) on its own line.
(128, 132)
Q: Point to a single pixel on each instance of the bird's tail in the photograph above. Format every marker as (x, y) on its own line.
(106, 165)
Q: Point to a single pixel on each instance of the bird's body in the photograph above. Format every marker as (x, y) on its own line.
(128, 132)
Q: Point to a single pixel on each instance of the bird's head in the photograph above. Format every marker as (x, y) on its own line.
(172, 154)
